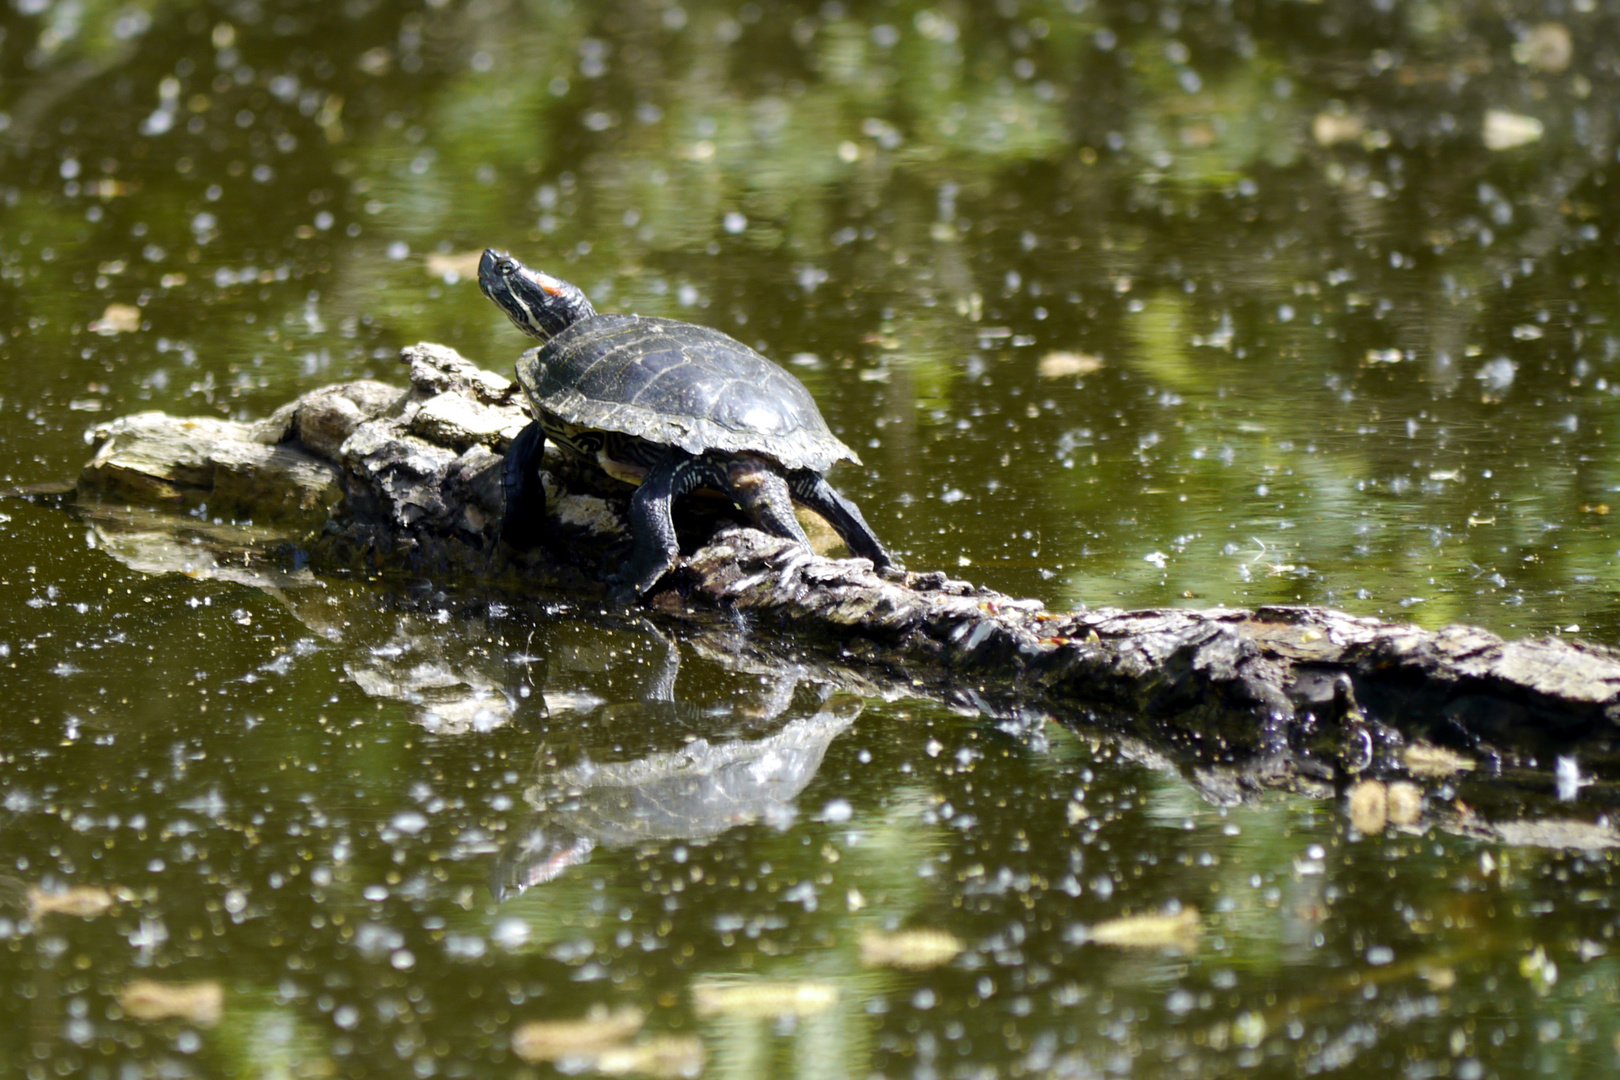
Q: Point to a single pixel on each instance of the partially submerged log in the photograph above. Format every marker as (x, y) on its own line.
(367, 476)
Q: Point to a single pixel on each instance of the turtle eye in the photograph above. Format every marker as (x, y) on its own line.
(506, 267)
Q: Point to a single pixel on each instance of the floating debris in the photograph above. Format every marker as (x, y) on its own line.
(1443, 977)
(772, 1000)
(1575, 835)
(1426, 759)
(83, 901)
(549, 1040)
(117, 319)
(1179, 930)
(1496, 376)
(1541, 971)
(1504, 130)
(913, 950)
(1405, 803)
(200, 1003)
(375, 62)
(1369, 807)
(1545, 47)
(1330, 128)
(1065, 365)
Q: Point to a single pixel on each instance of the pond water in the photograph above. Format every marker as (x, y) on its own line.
(1121, 304)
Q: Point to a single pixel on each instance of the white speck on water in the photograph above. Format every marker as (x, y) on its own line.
(510, 933)
(465, 946)
(1495, 376)
(410, 822)
(158, 123)
(837, 811)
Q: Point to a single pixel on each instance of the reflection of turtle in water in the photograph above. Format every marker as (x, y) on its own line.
(671, 407)
(694, 792)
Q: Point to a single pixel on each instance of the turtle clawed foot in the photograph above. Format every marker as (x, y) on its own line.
(627, 589)
(622, 597)
(625, 595)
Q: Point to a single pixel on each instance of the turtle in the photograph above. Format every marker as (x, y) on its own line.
(670, 407)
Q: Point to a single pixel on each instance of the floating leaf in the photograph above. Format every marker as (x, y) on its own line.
(84, 901)
(1179, 930)
(549, 1040)
(1504, 130)
(763, 999)
(200, 1003)
(117, 319)
(1064, 365)
(1426, 759)
(914, 950)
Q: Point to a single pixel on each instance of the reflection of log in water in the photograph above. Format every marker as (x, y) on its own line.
(409, 481)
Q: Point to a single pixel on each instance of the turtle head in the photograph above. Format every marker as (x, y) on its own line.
(538, 304)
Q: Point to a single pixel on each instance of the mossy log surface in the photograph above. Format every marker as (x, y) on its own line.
(374, 477)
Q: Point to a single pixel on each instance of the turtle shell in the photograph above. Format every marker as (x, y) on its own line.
(677, 384)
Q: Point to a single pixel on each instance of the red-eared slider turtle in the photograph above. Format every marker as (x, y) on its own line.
(671, 407)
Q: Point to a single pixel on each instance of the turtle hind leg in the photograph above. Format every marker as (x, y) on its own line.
(761, 492)
(523, 522)
(655, 548)
(812, 490)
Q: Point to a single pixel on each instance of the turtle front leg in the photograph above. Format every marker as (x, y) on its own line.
(523, 523)
(812, 490)
(655, 547)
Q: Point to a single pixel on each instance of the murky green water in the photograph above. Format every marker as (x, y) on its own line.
(1120, 303)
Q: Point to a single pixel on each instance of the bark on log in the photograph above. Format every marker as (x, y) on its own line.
(368, 476)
